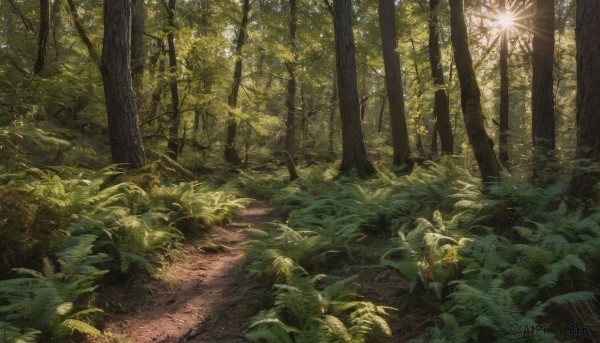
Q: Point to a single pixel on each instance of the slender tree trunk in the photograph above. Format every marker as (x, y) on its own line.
(441, 109)
(82, 34)
(482, 144)
(393, 83)
(503, 146)
(434, 139)
(231, 152)
(542, 92)
(585, 179)
(381, 112)
(44, 34)
(173, 149)
(354, 152)
(291, 96)
(333, 100)
(125, 139)
(56, 24)
(137, 45)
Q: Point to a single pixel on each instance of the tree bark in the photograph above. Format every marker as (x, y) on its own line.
(393, 83)
(587, 37)
(125, 138)
(173, 148)
(542, 91)
(482, 144)
(44, 34)
(441, 109)
(137, 44)
(354, 153)
(333, 99)
(504, 127)
(231, 152)
(291, 96)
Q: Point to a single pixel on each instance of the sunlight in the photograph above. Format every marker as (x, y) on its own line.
(506, 21)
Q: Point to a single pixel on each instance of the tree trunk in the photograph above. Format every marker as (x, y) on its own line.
(587, 37)
(354, 153)
(44, 34)
(333, 99)
(82, 34)
(173, 149)
(231, 153)
(393, 83)
(542, 92)
(482, 144)
(56, 24)
(125, 140)
(503, 146)
(381, 112)
(291, 96)
(137, 45)
(441, 109)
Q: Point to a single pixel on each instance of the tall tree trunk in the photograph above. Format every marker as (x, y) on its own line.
(44, 34)
(291, 96)
(482, 144)
(503, 146)
(137, 45)
(587, 36)
(381, 112)
(173, 148)
(354, 153)
(542, 92)
(333, 104)
(393, 83)
(441, 109)
(56, 24)
(125, 140)
(231, 152)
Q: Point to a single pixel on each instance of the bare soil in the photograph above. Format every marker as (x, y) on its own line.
(203, 296)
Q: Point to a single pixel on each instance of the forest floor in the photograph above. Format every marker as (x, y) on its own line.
(202, 296)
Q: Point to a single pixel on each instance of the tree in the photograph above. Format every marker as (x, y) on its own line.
(482, 144)
(393, 83)
(44, 33)
(354, 153)
(231, 153)
(587, 37)
(542, 91)
(125, 139)
(503, 146)
(291, 95)
(441, 108)
(173, 146)
(137, 43)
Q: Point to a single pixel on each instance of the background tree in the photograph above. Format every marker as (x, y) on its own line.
(231, 152)
(125, 140)
(393, 84)
(481, 143)
(354, 153)
(504, 125)
(542, 93)
(173, 136)
(585, 179)
(291, 95)
(44, 34)
(441, 109)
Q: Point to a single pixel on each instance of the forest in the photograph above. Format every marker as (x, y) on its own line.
(299, 171)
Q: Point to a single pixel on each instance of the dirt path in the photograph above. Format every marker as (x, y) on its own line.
(205, 297)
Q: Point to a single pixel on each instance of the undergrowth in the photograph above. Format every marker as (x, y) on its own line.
(81, 227)
(491, 265)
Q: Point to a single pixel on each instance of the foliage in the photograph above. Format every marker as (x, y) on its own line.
(301, 313)
(55, 303)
